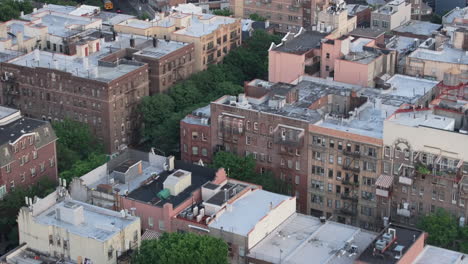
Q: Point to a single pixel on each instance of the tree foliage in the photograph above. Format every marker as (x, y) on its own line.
(162, 113)
(243, 168)
(10, 9)
(444, 231)
(223, 12)
(257, 17)
(78, 151)
(14, 200)
(175, 248)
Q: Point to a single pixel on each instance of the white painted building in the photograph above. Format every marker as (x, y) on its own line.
(58, 226)
(391, 15)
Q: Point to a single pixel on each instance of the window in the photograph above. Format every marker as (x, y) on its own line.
(340, 160)
(329, 203)
(317, 199)
(297, 179)
(332, 143)
(185, 147)
(269, 144)
(330, 187)
(331, 159)
(42, 166)
(337, 204)
(31, 140)
(368, 181)
(330, 173)
(162, 225)
(52, 162)
(255, 126)
(317, 155)
(371, 152)
(195, 150)
(248, 140)
(290, 164)
(298, 165)
(386, 167)
(34, 154)
(8, 168)
(366, 211)
(12, 185)
(387, 151)
(327, 55)
(385, 24)
(404, 189)
(375, 23)
(317, 185)
(368, 196)
(338, 189)
(338, 175)
(454, 198)
(204, 152)
(327, 68)
(194, 135)
(150, 221)
(317, 170)
(33, 172)
(3, 191)
(110, 252)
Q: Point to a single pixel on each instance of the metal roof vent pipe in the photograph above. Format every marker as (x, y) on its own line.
(155, 42)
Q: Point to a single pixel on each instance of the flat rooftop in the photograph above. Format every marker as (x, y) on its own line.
(99, 223)
(461, 13)
(390, 7)
(358, 44)
(303, 43)
(409, 87)
(110, 18)
(61, 24)
(353, 9)
(405, 236)
(6, 111)
(447, 54)
(303, 238)
(363, 57)
(418, 27)
(247, 211)
(148, 170)
(205, 24)
(368, 120)
(367, 32)
(162, 49)
(423, 118)
(197, 116)
(148, 193)
(404, 45)
(437, 255)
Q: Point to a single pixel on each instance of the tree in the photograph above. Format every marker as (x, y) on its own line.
(243, 168)
(175, 248)
(14, 200)
(11, 9)
(78, 151)
(222, 12)
(257, 17)
(442, 228)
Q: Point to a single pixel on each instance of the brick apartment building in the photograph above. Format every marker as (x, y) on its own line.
(310, 137)
(95, 91)
(27, 151)
(286, 15)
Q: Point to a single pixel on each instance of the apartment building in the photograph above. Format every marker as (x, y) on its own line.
(420, 10)
(323, 139)
(195, 136)
(362, 13)
(213, 36)
(456, 17)
(335, 20)
(437, 56)
(27, 151)
(59, 228)
(93, 86)
(427, 177)
(391, 15)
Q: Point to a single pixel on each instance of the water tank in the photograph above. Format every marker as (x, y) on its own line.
(380, 244)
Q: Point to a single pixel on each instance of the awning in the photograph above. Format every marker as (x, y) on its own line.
(150, 234)
(384, 181)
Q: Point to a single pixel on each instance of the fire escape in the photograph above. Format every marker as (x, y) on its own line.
(11, 91)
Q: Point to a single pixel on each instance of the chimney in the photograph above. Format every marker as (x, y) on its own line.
(20, 39)
(3, 30)
(37, 54)
(170, 163)
(155, 42)
(85, 63)
(132, 42)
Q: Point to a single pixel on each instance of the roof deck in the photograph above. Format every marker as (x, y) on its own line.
(302, 43)
(302, 238)
(98, 223)
(162, 49)
(418, 27)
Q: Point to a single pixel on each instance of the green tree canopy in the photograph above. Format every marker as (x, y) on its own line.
(78, 151)
(14, 200)
(444, 231)
(10, 9)
(257, 17)
(176, 248)
(162, 113)
(243, 168)
(222, 12)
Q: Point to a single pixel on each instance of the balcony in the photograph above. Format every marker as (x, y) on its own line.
(382, 192)
(347, 196)
(351, 168)
(405, 180)
(350, 183)
(346, 211)
(354, 154)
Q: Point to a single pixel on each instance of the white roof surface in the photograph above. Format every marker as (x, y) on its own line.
(408, 86)
(418, 27)
(437, 255)
(303, 239)
(99, 223)
(163, 48)
(356, 46)
(204, 25)
(447, 54)
(247, 211)
(423, 118)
